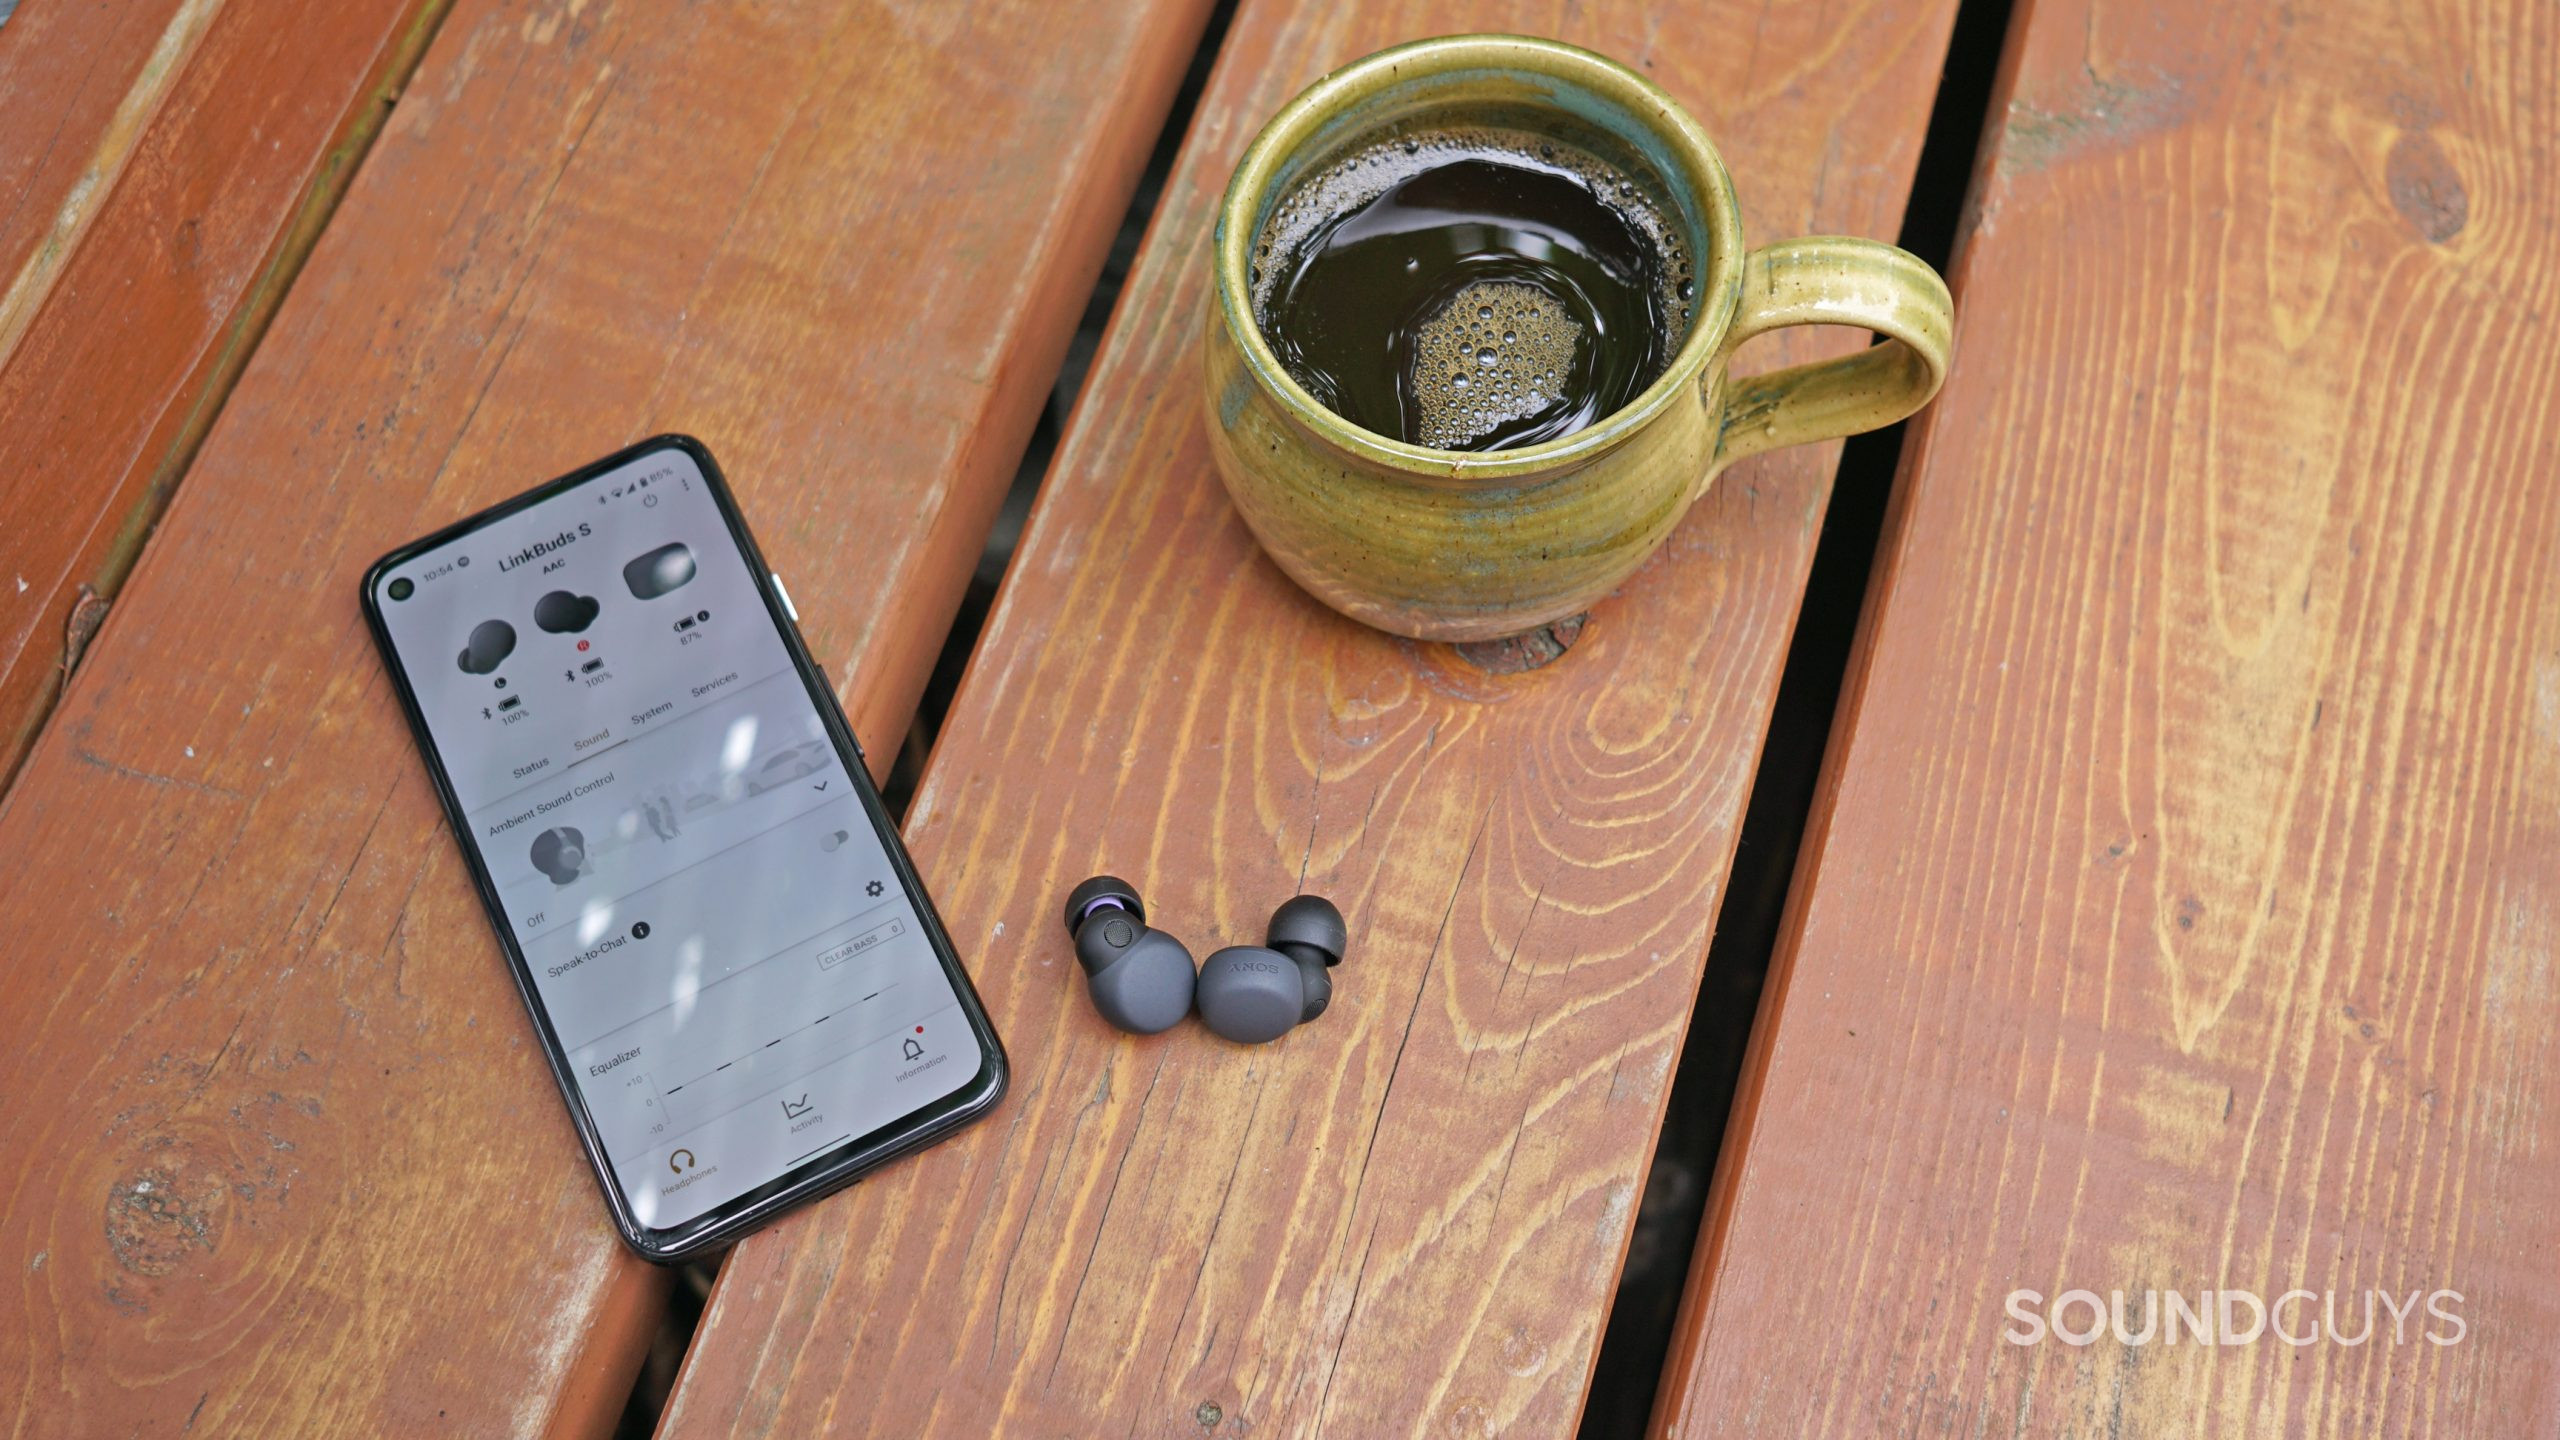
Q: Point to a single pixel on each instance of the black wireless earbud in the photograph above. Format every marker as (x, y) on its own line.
(1250, 994)
(1141, 979)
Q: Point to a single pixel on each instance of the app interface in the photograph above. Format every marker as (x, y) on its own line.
(712, 922)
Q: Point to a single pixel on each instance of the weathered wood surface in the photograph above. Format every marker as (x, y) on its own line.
(1407, 1218)
(2181, 909)
(283, 1159)
(164, 165)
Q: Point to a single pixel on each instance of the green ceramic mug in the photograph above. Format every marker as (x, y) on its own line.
(1445, 545)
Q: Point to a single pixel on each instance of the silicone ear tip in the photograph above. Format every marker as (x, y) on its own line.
(1081, 900)
(1310, 920)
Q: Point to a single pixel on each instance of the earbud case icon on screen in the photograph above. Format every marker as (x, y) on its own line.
(666, 568)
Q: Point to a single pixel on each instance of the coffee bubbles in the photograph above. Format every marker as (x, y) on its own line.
(1498, 352)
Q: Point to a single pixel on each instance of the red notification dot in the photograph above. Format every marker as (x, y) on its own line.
(919, 1029)
(582, 644)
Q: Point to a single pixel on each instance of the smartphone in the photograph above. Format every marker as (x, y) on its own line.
(743, 990)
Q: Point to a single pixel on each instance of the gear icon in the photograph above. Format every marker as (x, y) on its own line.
(873, 889)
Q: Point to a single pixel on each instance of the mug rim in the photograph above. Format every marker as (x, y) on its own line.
(1719, 287)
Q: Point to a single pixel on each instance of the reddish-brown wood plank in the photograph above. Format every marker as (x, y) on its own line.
(78, 84)
(2180, 911)
(164, 165)
(1409, 1217)
(283, 1159)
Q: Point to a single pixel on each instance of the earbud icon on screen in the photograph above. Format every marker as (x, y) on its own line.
(564, 613)
(491, 642)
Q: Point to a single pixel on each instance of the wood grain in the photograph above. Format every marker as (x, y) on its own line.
(283, 1158)
(164, 165)
(1407, 1218)
(77, 85)
(2180, 911)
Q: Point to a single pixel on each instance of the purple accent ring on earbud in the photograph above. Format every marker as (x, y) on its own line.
(1106, 902)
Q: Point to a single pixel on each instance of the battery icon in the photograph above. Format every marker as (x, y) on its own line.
(685, 624)
(511, 702)
(593, 666)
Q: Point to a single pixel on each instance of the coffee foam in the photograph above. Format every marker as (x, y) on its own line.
(1497, 352)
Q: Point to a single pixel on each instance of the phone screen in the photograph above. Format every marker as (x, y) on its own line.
(732, 970)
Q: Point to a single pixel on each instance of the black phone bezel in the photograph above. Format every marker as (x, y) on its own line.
(926, 1125)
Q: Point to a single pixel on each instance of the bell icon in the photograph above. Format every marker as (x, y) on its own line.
(913, 1050)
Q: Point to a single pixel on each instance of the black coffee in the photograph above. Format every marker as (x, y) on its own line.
(1471, 290)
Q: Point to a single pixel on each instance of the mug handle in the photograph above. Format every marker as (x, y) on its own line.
(1835, 280)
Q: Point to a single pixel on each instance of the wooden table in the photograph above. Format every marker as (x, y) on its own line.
(1409, 1217)
(164, 168)
(2180, 905)
(283, 1158)
(2176, 911)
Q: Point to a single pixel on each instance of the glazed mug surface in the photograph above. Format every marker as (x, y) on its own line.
(1452, 545)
